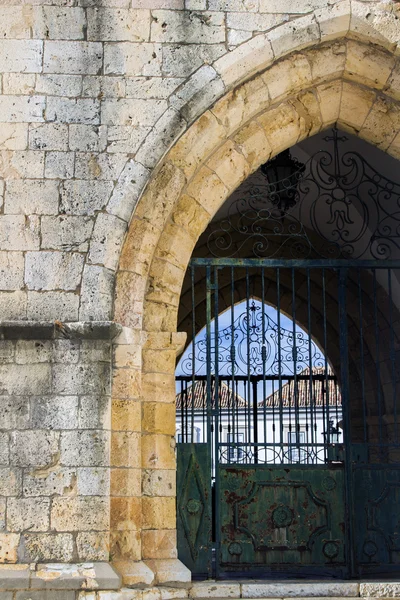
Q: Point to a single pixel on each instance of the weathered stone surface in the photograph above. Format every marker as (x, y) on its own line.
(299, 589)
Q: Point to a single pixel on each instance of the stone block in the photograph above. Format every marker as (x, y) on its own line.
(14, 412)
(48, 136)
(370, 68)
(103, 87)
(59, 85)
(134, 574)
(187, 27)
(380, 590)
(8, 547)
(53, 270)
(83, 379)
(159, 513)
(21, 56)
(356, 103)
(59, 23)
(47, 547)
(302, 590)
(94, 412)
(28, 514)
(19, 83)
(59, 165)
(25, 379)
(73, 110)
(18, 232)
(87, 138)
(215, 589)
(21, 109)
(114, 25)
(34, 448)
(254, 55)
(11, 270)
(96, 293)
(158, 418)
(108, 235)
(180, 60)
(127, 191)
(132, 112)
(14, 136)
(55, 481)
(170, 572)
(52, 306)
(88, 513)
(33, 351)
(80, 197)
(131, 59)
(126, 383)
(72, 57)
(126, 415)
(126, 514)
(126, 482)
(89, 576)
(15, 22)
(93, 481)
(126, 544)
(7, 353)
(4, 449)
(30, 197)
(66, 233)
(85, 448)
(294, 35)
(93, 546)
(13, 577)
(159, 482)
(13, 305)
(50, 595)
(125, 449)
(54, 412)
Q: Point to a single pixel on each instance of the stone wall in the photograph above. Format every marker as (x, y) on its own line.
(95, 95)
(55, 420)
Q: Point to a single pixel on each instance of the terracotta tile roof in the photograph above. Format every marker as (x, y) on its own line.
(226, 399)
(303, 391)
(200, 387)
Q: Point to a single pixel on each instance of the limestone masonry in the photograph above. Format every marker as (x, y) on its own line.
(125, 124)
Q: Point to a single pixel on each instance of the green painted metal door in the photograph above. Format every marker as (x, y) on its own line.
(282, 520)
(194, 507)
(289, 447)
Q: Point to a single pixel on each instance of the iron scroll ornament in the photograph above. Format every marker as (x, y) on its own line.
(254, 343)
(340, 207)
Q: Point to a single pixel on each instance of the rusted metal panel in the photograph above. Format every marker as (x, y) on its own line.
(194, 507)
(282, 518)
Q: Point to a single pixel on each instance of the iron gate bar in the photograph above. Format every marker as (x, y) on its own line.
(295, 263)
(343, 342)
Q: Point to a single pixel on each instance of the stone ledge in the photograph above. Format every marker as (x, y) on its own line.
(55, 330)
(84, 576)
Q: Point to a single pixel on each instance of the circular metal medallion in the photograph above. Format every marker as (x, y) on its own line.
(328, 483)
(235, 549)
(370, 548)
(282, 516)
(331, 549)
(193, 506)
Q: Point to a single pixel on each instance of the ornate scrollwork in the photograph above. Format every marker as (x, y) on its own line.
(252, 344)
(336, 205)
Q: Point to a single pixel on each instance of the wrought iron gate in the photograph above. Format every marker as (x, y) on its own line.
(287, 421)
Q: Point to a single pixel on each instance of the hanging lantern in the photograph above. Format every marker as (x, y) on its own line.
(283, 173)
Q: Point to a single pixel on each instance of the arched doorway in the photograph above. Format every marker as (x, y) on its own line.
(288, 445)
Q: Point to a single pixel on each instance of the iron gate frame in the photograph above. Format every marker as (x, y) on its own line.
(341, 267)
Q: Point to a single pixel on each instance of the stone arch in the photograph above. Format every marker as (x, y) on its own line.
(296, 97)
(374, 23)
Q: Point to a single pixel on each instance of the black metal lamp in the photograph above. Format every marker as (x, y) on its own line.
(333, 434)
(283, 173)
